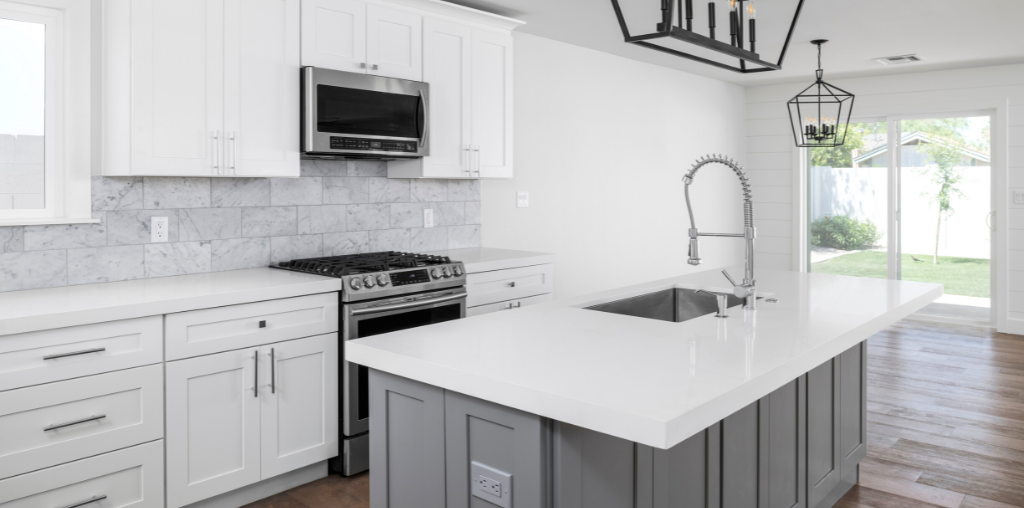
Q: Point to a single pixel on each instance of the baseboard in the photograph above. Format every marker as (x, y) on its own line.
(265, 488)
(845, 484)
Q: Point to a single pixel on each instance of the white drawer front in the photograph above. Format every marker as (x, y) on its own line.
(52, 355)
(130, 477)
(509, 305)
(504, 285)
(208, 331)
(94, 415)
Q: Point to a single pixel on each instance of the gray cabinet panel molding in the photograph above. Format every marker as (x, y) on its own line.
(823, 464)
(853, 407)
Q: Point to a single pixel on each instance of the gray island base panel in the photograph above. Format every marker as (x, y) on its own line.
(798, 447)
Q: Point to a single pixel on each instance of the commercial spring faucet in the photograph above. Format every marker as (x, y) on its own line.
(748, 289)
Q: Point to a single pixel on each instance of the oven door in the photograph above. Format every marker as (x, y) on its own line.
(358, 115)
(366, 319)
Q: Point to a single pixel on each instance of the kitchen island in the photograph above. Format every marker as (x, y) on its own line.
(562, 405)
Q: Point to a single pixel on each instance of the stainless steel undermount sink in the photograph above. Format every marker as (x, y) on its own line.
(675, 305)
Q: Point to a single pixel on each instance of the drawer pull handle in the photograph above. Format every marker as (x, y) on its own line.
(75, 353)
(263, 324)
(256, 374)
(92, 499)
(512, 284)
(76, 422)
(273, 372)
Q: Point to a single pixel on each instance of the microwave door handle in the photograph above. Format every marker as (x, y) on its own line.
(426, 122)
(310, 104)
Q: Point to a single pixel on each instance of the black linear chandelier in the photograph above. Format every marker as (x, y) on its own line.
(682, 10)
(820, 114)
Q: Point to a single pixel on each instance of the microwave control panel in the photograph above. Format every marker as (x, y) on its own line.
(372, 145)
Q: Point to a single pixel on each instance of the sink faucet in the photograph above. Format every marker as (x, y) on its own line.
(748, 289)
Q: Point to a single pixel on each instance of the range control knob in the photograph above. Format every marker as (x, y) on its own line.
(457, 270)
(382, 280)
(447, 273)
(355, 283)
(368, 281)
(436, 273)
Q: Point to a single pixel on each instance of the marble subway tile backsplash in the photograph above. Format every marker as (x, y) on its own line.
(218, 224)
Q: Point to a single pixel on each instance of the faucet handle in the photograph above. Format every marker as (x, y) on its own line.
(729, 278)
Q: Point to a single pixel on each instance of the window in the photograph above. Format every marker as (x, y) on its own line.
(39, 183)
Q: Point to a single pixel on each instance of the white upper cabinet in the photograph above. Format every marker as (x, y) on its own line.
(261, 130)
(213, 87)
(469, 70)
(334, 34)
(352, 36)
(492, 104)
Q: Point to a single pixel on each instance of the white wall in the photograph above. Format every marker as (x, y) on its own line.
(601, 145)
(770, 154)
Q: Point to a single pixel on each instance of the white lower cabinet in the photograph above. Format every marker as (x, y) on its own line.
(238, 417)
(129, 477)
(508, 305)
(50, 424)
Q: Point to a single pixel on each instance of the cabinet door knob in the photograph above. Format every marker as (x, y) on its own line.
(362, 65)
(375, 67)
(263, 324)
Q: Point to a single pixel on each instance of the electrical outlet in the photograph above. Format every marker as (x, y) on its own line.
(158, 230)
(1018, 197)
(522, 199)
(491, 485)
(428, 217)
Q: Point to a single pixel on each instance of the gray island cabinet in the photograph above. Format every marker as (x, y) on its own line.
(800, 446)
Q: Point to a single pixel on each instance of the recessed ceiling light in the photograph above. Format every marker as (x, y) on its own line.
(901, 59)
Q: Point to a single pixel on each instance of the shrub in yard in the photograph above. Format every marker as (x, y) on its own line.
(842, 232)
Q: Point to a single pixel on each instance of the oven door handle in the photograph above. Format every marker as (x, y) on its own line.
(407, 305)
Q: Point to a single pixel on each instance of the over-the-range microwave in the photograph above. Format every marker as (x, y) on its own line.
(351, 115)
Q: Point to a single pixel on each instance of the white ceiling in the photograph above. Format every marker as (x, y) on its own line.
(948, 33)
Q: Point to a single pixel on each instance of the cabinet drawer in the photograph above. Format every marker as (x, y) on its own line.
(511, 304)
(208, 331)
(130, 477)
(504, 285)
(52, 355)
(60, 422)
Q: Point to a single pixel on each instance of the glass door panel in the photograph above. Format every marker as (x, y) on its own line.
(848, 196)
(945, 211)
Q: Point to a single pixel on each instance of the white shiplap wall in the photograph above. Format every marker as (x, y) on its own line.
(774, 166)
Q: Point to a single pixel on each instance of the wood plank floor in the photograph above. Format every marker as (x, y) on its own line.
(945, 426)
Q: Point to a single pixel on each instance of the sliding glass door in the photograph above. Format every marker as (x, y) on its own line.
(907, 199)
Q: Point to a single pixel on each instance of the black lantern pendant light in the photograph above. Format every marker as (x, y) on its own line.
(821, 113)
(674, 32)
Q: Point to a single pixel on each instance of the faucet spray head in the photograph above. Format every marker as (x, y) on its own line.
(694, 248)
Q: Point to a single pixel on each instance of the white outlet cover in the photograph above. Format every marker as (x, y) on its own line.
(158, 230)
(428, 217)
(522, 199)
(484, 480)
(1018, 197)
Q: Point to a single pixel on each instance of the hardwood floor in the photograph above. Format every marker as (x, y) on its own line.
(945, 426)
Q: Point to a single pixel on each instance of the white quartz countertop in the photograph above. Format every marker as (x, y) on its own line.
(486, 259)
(41, 309)
(648, 381)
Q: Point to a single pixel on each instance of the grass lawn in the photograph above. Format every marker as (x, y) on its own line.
(960, 276)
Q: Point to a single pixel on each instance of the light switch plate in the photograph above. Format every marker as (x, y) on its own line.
(490, 484)
(522, 199)
(428, 217)
(1018, 197)
(158, 230)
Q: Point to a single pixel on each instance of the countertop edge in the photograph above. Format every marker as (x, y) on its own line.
(49, 321)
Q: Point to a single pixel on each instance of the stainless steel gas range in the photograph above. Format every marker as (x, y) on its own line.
(382, 292)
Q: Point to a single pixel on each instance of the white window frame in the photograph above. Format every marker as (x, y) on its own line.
(67, 134)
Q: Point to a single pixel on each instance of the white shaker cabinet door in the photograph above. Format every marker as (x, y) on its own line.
(394, 43)
(299, 403)
(177, 90)
(261, 74)
(446, 55)
(492, 104)
(334, 35)
(213, 425)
